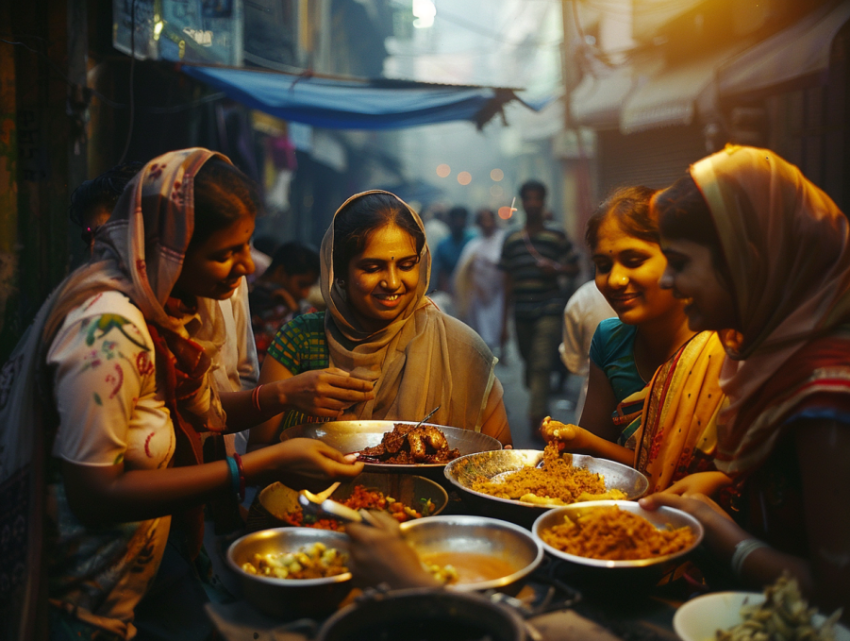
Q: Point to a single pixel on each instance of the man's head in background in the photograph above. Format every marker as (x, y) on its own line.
(457, 221)
(533, 196)
(93, 201)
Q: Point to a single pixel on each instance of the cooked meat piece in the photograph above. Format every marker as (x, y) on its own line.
(435, 437)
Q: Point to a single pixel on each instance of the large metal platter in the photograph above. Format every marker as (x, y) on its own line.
(464, 471)
(353, 436)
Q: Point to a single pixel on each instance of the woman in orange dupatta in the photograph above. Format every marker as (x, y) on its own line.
(763, 257)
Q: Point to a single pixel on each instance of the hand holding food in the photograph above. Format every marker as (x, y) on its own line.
(380, 555)
(311, 458)
(324, 392)
(568, 437)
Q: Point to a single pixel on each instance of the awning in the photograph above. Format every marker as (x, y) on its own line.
(669, 98)
(352, 104)
(597, 100)
(793, 57)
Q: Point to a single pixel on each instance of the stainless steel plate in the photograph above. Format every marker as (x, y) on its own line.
(353, 436)
(464, 471)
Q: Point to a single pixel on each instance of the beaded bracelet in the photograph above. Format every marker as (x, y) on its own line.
(233, 466)
(255, 398)
(241, 476)
(743, 550)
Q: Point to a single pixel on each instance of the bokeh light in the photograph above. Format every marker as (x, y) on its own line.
(443, 170)
(496, 191)
(464, 178)
(505, 213)
(497, 174)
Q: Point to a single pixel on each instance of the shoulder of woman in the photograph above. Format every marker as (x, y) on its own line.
(109, 308)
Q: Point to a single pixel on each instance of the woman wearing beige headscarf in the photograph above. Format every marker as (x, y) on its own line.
(381, 333)
(763, 256)
(105, 402)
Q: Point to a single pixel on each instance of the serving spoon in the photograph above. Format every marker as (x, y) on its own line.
(329, 508)
(430, 414)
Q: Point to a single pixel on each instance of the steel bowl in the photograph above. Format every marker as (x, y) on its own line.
(464, 471)
(477, 535)
(410, 489)
(289, 597)
(630, 573)
(354, 436)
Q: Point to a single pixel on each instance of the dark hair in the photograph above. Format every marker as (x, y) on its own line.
(223, 194)
(683, 214)
(266, 244)
(296, 259)
(458, 212)
(354, 224)
(102, 191)
(480, 214)
(630, 207)
(532, 185)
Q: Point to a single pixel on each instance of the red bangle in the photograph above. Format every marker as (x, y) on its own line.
(255, 398)
(241, 476)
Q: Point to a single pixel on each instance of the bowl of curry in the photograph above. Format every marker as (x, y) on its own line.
(474, 553)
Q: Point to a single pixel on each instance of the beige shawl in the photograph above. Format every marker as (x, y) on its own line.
(419, 361)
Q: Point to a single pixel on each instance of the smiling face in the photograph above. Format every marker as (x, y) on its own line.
(383, 278)
(214, 268)
(627, 273)
(691, 276)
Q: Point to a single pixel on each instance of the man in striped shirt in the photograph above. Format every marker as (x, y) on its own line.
(536, 260)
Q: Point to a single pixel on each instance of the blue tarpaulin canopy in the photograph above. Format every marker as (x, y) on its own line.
(353, 104)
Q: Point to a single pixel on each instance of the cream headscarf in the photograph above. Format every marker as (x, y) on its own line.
(422, 359)
(787, 247)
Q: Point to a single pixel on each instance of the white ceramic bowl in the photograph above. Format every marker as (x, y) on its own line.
(700, 618)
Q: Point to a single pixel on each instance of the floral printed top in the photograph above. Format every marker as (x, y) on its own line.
(110, 412)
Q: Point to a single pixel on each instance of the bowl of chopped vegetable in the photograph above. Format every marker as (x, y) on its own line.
(403, 496)
(779, 613)
(292, 572)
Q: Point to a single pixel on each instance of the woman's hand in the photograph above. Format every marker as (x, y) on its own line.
(707, 483)
(721, 532)
(304, 457)
(573, 437)
(323, 392)
(380, 555)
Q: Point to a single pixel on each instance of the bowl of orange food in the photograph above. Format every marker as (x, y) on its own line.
(608, 539)
(474, 553)
(520, 485)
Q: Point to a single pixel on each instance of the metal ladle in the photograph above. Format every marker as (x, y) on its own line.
(333, 510)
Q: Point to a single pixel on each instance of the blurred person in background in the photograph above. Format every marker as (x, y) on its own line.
(278, 295)
(534, 259)
(448, 252)
(478, 284)
(93, 201)
(582, 315)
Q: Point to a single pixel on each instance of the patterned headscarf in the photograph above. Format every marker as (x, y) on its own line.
(787, 247)
(139, 252)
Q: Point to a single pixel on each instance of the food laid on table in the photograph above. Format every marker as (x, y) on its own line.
(362, 498)
(410, 445)
(466, 567)
(612, 534)
(783, 616)
(315, 562)
(557, 482)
